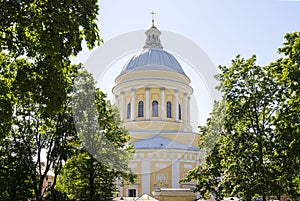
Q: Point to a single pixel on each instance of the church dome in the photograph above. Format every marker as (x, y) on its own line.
(153, 57)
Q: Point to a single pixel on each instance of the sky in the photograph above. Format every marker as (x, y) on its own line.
(221, 28)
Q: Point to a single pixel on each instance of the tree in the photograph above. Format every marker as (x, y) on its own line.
(40, 29)
(251, 98)
(36, 40)
(15, 172)
(257, 152)
(34, 142)
(286, 72)
(47, 33)
(208, 176)
(92, 171)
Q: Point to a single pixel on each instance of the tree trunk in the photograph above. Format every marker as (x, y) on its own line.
(91, 178)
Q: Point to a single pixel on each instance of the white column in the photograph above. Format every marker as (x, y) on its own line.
(175, 174)
(116, 100)
(147, 104)
(185, 108)
(122, 104)
(120, 187)
(176, 104)
(146, 176)
(162, 104)
(132, 104)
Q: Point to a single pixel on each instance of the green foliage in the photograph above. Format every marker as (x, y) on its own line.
(84, 178)
(55, 195)
(91, 173)
(36, 78)
(47, 32)
(35, 141)
(250, 97)
(255, 128)
(286, 71)
(7, 100)
(210, 133)
(208, 176)
(15, 172)
(32, 141)
(40, 28)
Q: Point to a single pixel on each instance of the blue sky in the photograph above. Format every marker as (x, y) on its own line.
(222, 28)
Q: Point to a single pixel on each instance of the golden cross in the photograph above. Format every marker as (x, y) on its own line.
(152, 13)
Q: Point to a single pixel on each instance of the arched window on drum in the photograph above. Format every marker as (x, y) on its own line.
(169, 109)
(128, 110)
(179, 112)
(140, 109)
(154, 108)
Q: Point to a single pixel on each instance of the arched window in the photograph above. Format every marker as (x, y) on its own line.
(128, 110)
(154, 108)
(179, 112)
(141, 109)
(169, 109)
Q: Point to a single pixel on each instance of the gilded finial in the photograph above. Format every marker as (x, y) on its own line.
(152, 13)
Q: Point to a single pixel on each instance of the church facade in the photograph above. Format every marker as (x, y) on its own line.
(153, 94)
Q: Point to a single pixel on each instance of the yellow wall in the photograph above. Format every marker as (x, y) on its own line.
(138, 171)
(154, 94)
(152, 73)
(183, 138)
(183, 171)
(156, 172)
(181, 132)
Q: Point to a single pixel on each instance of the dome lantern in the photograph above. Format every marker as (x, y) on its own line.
(152, 38)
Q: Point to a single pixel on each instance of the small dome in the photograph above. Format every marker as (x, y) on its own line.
(153, 59)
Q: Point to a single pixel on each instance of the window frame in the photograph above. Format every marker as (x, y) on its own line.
(169, 109)
(128, 111)
(179, 112)
(141, 109)
(154, 108)
(132, 191)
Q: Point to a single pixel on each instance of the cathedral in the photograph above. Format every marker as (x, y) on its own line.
(153, 94)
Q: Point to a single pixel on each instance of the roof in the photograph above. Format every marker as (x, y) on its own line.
(176, 189)
(146, 197)
(231, 199)
(153, 59)
(158, 142)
